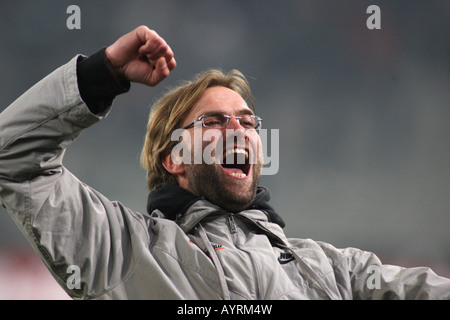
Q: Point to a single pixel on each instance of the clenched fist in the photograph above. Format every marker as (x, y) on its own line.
(141, 56)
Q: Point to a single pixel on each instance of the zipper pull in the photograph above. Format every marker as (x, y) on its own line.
(231, 223)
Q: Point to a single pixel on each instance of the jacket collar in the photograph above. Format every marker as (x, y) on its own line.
(173, 201)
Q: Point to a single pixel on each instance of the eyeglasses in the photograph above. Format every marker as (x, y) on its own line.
(220, 121)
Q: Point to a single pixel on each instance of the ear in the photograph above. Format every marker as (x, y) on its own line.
(173, 166)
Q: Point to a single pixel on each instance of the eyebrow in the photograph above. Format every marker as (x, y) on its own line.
(239, 113)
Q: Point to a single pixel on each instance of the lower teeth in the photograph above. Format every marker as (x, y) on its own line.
(238, 175)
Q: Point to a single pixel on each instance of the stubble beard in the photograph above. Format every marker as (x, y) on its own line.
(212, 183)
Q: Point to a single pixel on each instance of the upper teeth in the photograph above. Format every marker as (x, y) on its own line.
(236, 150)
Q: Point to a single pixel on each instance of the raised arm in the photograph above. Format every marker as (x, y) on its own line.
(66, 222)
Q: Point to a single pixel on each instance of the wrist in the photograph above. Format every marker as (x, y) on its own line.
(116, 71)
(97, 83)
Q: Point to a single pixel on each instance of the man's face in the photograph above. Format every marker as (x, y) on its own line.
(230, 186)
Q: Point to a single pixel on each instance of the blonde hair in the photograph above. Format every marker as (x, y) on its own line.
(168, 113)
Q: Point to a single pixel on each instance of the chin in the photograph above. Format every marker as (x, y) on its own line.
(223, 187)
(236, 195)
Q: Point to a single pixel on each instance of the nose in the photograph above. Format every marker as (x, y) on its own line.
(235, 133)
(235, 124)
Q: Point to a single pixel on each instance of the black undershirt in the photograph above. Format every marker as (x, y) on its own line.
(96, 83)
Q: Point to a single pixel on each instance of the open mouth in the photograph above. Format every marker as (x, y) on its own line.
(236, 163)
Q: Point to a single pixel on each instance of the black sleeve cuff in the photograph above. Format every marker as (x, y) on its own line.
(98, 87)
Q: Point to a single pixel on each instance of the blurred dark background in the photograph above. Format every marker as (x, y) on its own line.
(363, 114)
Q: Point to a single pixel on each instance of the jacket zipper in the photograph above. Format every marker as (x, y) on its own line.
(232, 223)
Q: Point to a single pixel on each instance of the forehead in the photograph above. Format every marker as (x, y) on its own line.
(218, 99)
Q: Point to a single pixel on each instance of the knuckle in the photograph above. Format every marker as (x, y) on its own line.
(143, 28)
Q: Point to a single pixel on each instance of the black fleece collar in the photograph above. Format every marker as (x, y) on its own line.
(172, 200)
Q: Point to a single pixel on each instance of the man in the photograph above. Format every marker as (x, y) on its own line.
(210, 232)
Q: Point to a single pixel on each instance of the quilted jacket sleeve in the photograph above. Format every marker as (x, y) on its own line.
(71, 226)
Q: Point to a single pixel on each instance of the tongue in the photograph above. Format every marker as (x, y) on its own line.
(232, 170)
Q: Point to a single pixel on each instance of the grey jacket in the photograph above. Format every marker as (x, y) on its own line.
(99, 249)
